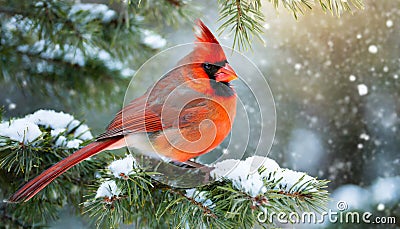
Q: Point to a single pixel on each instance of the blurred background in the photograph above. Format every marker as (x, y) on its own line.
(335, 82)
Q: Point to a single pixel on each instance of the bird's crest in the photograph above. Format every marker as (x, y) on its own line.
(207, 47)
(203, 34)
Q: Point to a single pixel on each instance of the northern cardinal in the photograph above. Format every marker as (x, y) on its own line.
(187, 113)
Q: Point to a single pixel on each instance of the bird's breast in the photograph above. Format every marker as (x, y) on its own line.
(199, 131)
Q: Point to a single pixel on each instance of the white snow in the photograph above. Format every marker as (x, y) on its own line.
(124, 166)
(385, 68)
(240, 173)
(27, 129)
(61, 141)
(75, 57)
(352, 78)
(380, 207)
(225, 167)
(23, 48)
(39, 45)
(108, 16)
(373, 49)
(20, 130)
(12, 106)
(50, 118)
(127, 72)
(104, 55)
(56, 132)
(290, 178)
(68, 53)
(389, 23)
(74, 143)
(153, 40)
(362, 89)
(108, 189)
(107, 59)
(60, 121)
(78, 56)
(96, 11)
(199, 197)
(14, 23)
(364, 136)
(83, 132)
(39, 4)
(64, 142)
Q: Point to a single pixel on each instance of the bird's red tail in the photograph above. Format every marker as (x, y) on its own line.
(35, 185)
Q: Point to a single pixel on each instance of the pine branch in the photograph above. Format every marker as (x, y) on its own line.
(73, 36)
(28, 146)
(244, 18)
(338, 7)
(125, 193)
(164, 12)
(38, 56)
(224, 204)
(11, 12)
(206, 210)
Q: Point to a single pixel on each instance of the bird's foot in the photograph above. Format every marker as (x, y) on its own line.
(194, 165)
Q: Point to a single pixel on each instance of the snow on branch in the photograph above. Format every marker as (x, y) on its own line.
(251, 180)
(241, 189)
(28, 146)
(91, 12)
(30, 128)
(123, 167)
(108, 189)
(20, 130)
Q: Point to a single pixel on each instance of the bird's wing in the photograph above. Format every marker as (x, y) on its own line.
(193, 115)
(142, 116)
(134, 118)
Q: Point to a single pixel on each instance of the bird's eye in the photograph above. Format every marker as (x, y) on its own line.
(207, 66)
(210, 69)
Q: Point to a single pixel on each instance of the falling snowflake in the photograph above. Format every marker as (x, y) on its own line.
(362, 89)
(373, 49)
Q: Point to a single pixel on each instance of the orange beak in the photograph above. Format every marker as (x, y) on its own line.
(225, 74)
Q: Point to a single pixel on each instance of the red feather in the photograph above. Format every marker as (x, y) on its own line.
(134, 118)
(207, 47)
(34, 186)
(204, 34)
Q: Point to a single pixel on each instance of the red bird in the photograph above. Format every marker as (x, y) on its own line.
(187, 113)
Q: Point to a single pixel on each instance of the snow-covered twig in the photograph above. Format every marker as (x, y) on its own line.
(28, 129)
